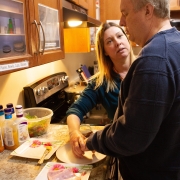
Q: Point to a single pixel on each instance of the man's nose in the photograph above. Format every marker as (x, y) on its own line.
(122, 21)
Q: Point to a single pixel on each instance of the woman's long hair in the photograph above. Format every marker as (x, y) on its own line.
(104, 62)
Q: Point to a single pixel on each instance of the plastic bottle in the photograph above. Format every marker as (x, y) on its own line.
(1, 124)
(22, 125)
(10, 27)
(10, 134)
(10, 105)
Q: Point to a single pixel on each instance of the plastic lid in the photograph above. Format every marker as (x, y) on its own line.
(8, 113)
(7, 110)
(18, 107)
(9, 105)
(19, 111)
(1, 112)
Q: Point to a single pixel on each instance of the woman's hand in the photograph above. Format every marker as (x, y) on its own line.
(77, 143)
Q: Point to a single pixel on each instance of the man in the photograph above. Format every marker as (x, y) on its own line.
(145, 134)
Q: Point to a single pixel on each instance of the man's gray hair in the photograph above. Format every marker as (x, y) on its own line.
(161, 7)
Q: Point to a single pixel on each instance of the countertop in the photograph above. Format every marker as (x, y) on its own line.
(18, 168)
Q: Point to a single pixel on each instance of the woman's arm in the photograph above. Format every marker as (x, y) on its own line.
(76, 137)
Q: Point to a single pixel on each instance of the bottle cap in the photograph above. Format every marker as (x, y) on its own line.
(8, 113)
(19, 111)
(1, 112)
(7, 110)
(10, 105)
(18, 106)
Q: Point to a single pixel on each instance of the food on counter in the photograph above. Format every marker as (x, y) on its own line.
(28, 116)
(60, 172)
(37, 143)
(37, 128)
(38, 120)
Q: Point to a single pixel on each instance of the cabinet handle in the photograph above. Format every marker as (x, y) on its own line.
(39, 51)
(43, 38)
(35, 22)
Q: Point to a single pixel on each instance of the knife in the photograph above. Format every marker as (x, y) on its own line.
(44, 155)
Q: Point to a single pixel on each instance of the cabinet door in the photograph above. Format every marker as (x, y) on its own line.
(77, 40)
(84, 3)
(110, 10)
(92, 8)
(47, 24)
(15, 46)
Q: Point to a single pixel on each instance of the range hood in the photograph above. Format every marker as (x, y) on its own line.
(73, 12)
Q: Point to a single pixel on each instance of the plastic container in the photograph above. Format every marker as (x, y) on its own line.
(10, 134)
(2, 118)
(38, 120)
(22, 125)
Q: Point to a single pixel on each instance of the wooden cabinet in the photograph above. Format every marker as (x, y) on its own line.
(92, 8)
(175, 5)
(15, 46)
(77, 40)
(29, 35)
(83, 3)
(46, 30)
(175, 9)
(109, 10)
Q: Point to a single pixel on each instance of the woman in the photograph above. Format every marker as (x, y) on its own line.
(114, 55)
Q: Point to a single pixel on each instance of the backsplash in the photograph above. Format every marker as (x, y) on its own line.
(11, 90)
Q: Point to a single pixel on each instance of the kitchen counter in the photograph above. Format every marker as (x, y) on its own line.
(18, 168)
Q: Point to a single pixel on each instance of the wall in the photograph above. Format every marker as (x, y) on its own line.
(11, 88)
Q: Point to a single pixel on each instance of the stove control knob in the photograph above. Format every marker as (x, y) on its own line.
(64, 78)
(45, 89)
(39, 92)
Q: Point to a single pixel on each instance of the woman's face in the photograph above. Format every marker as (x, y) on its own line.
(116, 44)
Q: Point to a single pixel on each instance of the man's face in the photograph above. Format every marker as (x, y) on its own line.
(132, 20)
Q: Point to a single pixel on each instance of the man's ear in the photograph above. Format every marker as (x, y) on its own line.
(149, 10)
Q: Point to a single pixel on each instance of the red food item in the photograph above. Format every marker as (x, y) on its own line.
(62, 174)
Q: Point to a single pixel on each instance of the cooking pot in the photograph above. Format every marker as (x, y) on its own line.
(73, 93)
(176, 23)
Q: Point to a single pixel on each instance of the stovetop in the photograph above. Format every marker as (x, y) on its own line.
(49, 93)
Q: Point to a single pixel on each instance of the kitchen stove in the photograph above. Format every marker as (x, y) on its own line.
(49, 93)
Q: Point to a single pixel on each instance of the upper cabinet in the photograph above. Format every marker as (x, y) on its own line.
(109, 10)
(175, 8)
(47, 30)
(106, 7)
(15, 50)
(31, 34)
(83, 3)
(92, 8)
(175, 5)
(81, 40)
